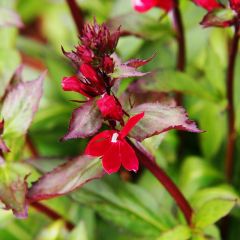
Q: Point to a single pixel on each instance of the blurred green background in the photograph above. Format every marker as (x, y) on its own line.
(123, 206)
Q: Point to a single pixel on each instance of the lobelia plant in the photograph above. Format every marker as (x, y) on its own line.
(98, 75)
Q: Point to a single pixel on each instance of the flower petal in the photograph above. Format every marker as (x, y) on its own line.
(112, 158)
(143, 5)
(130, 124)
(110, 107)
(99, 144)
(208, 4)
(73, 84)
(129, 159)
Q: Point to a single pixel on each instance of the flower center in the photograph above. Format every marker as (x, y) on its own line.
(114, 137)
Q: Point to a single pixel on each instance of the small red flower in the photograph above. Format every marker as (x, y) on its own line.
(112, 146)
(110, 108)
(145, 5)
(88, 82)
(207, 4)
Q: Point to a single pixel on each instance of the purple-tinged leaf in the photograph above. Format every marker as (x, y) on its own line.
(160, 118)
(3, 146)
(136, 63)
(9, 18)
(124, 71)
(66, 178)
(222, 17)
(13, 189)
(85, 121)
(20, 105)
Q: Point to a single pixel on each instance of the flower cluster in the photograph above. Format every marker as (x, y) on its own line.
(145, 5)
(219, 15)
(98, 72)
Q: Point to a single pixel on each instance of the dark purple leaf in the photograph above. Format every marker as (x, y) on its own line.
(85, 121)
(136, 63)
(160, 118)
(66, 178)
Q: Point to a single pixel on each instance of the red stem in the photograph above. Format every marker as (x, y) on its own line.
(181, 58)
(230, 95)
(77, 15)
(165, 181)
(51, 214)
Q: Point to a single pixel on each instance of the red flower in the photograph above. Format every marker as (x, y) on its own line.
(145, 5)
(88, 82)
(110, 108)
(207, 4)
(112, 146)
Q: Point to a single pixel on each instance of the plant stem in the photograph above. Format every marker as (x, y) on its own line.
(77, 15)
(230, 95)
(51, 214)
(169, 185)
(181, 57)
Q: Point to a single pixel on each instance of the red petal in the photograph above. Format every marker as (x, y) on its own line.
(143, 5)
(129, 158)
(208, 4)
(130, 124)
(165, 5)
(99, 144)
(89, 72)
(110, 107)
(73, 84)
(112, 158)
(235, 5)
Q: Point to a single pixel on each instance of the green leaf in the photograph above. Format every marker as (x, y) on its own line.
(66, 178)
(167, 81)
(212, 211)
(213, 120)
(196, 173)
(19, 107)
(13, 188)
(129, 206)
(9, 61)
(178, 233)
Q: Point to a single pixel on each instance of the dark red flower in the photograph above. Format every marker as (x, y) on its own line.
(110, 108)
(145, 5)
(207, 4)
(112, 146)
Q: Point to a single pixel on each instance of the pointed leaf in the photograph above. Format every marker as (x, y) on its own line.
(160, 118)
(136, 63)
(85, 121)
(212, 211)
(178, 233)
(66, 178)
(20, 106)
(222, 17)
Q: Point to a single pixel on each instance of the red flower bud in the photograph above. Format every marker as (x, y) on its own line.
(235, 5)
(110, 107)
(108, 64)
